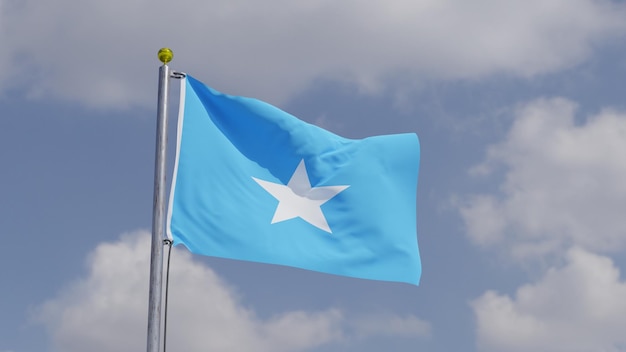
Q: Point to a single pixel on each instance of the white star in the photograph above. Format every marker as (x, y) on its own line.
(299, 199)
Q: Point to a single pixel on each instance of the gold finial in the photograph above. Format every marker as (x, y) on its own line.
(165, 55)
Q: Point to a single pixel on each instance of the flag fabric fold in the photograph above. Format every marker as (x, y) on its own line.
(252, 182)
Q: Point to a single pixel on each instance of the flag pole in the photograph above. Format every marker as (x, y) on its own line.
(158, 210)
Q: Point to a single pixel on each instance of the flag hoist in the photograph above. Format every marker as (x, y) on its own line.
(158, 211)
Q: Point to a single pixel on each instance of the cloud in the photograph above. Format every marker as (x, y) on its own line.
(107, 311)
(103, 53)
(563, 184)
(576, 308)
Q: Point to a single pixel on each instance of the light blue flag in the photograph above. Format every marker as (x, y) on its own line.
(252, 182)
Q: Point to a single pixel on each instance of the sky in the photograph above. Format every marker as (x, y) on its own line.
(520, 111)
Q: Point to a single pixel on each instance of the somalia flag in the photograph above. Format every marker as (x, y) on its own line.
(252, 182)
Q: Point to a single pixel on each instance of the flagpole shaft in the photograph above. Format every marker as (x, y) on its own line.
(158, 216)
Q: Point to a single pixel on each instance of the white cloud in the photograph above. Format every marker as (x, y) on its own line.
(107, 311)
(564, 183)
(103, 52)
(577, 308)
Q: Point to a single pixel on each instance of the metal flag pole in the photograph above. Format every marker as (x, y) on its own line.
(158, 210)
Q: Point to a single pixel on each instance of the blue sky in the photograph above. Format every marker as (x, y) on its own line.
(520, 111)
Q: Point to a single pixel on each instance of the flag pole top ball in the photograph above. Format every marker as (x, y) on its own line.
(165, 55)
